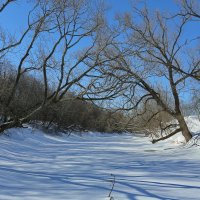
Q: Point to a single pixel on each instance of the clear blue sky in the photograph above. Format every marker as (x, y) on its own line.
(123, 5)
(14, 16)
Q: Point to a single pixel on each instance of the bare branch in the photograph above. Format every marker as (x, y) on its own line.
(3, 6)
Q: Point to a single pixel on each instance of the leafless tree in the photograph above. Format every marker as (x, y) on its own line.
(146, 65)
(157, 64)
(188, 8)
(51, 46)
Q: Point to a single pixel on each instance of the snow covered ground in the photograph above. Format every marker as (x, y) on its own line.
(38, 166)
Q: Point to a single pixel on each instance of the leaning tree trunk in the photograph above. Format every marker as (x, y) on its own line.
(10, 124)
(184, 128)
(18, 122)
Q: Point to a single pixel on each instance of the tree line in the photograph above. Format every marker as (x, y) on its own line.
(67, 115)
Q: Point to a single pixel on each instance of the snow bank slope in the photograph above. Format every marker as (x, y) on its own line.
(193, 123)
(37, 166)
(194, 126)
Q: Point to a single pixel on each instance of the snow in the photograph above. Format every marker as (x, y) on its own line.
(34, 165)
(193, 124)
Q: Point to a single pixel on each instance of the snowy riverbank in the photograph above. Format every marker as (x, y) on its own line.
(38, 166)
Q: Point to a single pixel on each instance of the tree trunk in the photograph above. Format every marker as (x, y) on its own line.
(18, 122)
(10, 124)
(184, 128)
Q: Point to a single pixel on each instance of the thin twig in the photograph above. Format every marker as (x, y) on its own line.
(113, 185)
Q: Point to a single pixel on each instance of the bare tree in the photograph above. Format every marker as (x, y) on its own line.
(189, 8)
(156, 65)
(146, 65)
(52, 48)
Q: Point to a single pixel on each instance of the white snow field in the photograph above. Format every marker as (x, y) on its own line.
(36, 166)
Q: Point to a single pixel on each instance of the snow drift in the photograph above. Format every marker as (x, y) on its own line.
(34, 165)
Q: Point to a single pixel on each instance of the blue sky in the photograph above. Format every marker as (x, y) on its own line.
(14, 18)
(122, 5)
